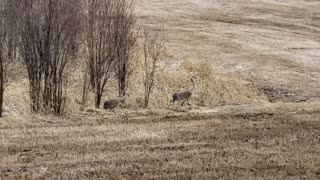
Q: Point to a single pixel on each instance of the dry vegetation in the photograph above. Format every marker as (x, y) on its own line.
(231, 142)
(245, 54)
(271, 43)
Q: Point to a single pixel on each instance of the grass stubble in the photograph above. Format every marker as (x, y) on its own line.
(245, 53)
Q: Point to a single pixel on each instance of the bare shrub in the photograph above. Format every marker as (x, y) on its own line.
(153, 52)
(125, 39)
(110, 39)
(7, 46)
(101, 43)
(3, 58)
(49, 30)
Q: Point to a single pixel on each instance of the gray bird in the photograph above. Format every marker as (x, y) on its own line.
(184, 96)
(113, 103)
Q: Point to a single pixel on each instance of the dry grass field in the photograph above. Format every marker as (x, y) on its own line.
(265, 54)
(245, 142)
(274, 43)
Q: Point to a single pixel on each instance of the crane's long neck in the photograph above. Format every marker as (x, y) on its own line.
(193, 86)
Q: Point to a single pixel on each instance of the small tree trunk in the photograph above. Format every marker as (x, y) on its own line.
(98, 99)
(1, 87)
(1, 101)
(84, 90)
(122, 79)
(146, 92)
(146, 100)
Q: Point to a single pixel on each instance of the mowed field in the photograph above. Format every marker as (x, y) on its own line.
(272, 43)
(228, 143)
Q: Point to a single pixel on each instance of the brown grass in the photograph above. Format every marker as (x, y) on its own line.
(237, 49)
(212, 87)
(271, 43)
(229, 143)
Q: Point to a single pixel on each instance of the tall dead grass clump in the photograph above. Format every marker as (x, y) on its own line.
(212, 87)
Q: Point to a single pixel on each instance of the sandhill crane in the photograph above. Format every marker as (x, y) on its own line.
(184, 95)
(113, 103)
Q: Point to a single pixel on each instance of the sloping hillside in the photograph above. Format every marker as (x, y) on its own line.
(275, 44)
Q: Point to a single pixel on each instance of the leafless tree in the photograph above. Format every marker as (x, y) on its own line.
(125, 39)
(7, 45)
(101, 44)
(153, 44)
(49, 29)
(110, 37)
(85, 89)
(3, 58)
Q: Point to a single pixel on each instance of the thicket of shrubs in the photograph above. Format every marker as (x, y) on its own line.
(55, 38)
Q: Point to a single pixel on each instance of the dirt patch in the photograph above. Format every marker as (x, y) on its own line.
(281, 95)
